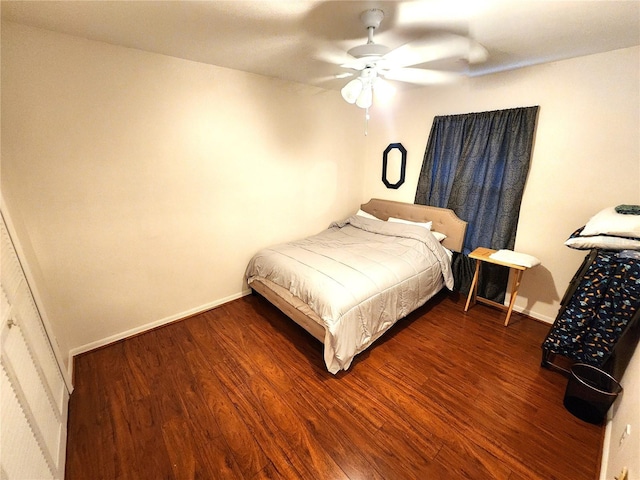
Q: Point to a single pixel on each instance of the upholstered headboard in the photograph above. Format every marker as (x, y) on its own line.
(444, 220)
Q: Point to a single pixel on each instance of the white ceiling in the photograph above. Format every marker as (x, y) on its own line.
(306, 41)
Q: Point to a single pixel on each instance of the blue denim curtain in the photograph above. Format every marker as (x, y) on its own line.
(476, 164)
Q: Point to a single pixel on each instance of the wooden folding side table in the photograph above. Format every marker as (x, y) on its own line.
(482, 254)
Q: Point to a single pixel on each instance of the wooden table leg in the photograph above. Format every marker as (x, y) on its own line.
(474, 286)
(517, 276)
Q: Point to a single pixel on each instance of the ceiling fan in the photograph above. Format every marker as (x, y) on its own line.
(377, 63)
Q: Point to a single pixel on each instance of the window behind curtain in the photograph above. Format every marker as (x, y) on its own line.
(477, 164)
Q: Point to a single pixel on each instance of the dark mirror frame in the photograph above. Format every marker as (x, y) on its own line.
(403, 165)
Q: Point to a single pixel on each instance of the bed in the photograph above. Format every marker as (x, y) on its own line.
(350, 283)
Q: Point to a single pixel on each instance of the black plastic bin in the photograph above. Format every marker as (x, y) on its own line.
(590, 393)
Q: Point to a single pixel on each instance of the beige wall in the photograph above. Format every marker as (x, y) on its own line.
(586, 153)
(144, 182)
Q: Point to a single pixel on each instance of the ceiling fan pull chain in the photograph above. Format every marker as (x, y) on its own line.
(366, 121)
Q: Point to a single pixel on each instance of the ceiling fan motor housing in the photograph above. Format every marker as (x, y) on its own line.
(369, 50)
(372, 18)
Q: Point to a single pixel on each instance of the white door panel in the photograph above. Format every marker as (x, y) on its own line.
(34, 394)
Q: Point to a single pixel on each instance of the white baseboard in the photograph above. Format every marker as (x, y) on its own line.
(606, 446)
(149, 326)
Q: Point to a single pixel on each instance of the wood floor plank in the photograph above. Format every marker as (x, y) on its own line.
(123, 435)
(241, 392)
(227, 418)
(467, 464)
(91, 425)
(182, 455)
(295, 430)
(284, 463)
(345, 439)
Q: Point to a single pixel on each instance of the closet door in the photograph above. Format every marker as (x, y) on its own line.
(34, 396)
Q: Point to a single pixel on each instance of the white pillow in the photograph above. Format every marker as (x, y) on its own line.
(610, 222)
(604, 242)
(362, 213)
(516, 258)
(426, 225)
(439, 236)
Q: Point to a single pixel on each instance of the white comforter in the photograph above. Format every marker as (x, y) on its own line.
(360, 276)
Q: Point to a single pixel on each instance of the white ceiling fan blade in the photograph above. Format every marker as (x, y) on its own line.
(332, 55)
(359, 63)
(332, 80)
(431, 48)
(420, 76)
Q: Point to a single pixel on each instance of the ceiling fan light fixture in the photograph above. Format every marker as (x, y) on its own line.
(365, 99)
(383, 90)
(352, 90)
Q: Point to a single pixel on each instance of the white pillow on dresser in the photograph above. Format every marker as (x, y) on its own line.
(610, 222)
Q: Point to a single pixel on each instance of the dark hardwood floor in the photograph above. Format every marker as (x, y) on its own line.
(241, 392)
